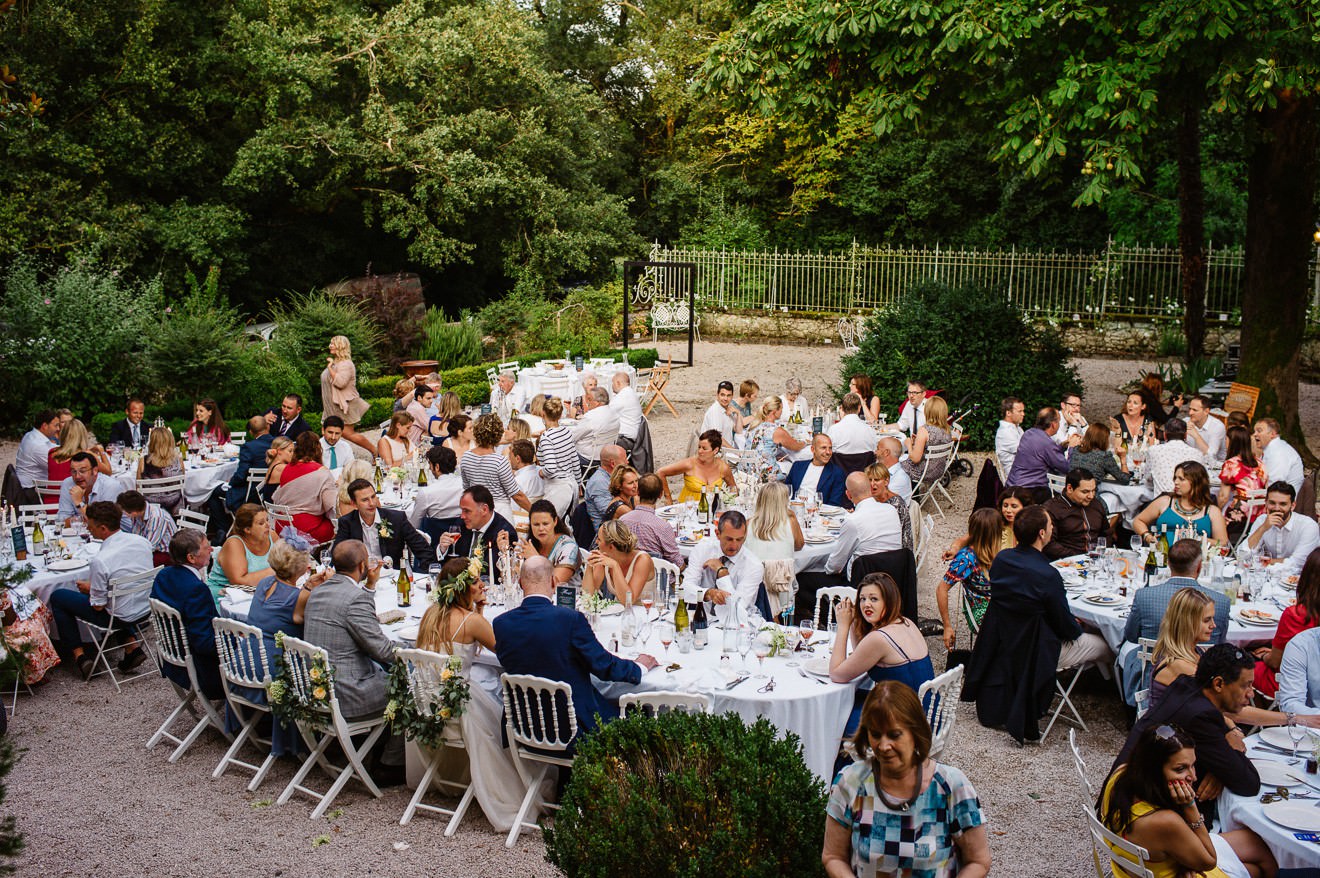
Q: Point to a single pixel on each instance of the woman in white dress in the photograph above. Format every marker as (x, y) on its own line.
(773, 536)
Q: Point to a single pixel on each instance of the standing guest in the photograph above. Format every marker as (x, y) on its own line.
(130, 432)
(722, 416)
(1070, 411)
(1038, 455)
(720, 569)
(309, 489)
(243, 561)
(180, 586)
(897, 811)
(1189, 505)
(548, 537)
(794, 402)
(335, 450)
(423, 412)
(384, 532)
(506, 397)
(560, 465)
(889, 453)
(522, 459)
(482, 465)
(934, 432)
(1079, 516)
(970, 569)
(394, 448)
(26, 622)
(538, 637)
(1205, 433)
(439, 499)
(33, 460)
(705, 470)
(851, 434)
(483, 530)
(626, 404)
(1011, 413)
(75, 439)
(912, 413)
(339, 393)
(598, 426)
(1011, 502)
(1150, 603)
(1188, 621)
(1301, 616)
(654, 535)
(773, 537)
(460, 435)
(1161, 459)
(288, 421)
(861, 385)
(121, 555)
(766, 426)
(623, 493)
(162, 461)
(251, 454)
(1094, 456)
(1281, 460)
(616, 568)
(1152, 391)
(820, 474)
(150, 522)
(1133, 424)
(596, 492)
(208, 424)
(1238, 477)
(1282, 536)
(747, 393)
(879, 476)
(85, 486)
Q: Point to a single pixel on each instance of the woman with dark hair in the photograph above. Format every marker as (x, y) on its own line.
(309, 489)
(1238, 477)
(1150, 800)
(207, 425)
(1094, 455)
(704, 470)
(1295, 619)
(861, 385)
(896, 811)
(549, 537)
(970, 568)
(1133, 422)
(1152, 393)
(1190, 505)
(243, 559)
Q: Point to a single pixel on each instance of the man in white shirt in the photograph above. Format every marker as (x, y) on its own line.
(1205, 433)
(84, 486)
(628, 407)
(1071, 422)
(335, 451)
(506, 396)
(1012, 411)
(852, 435)
(1282, 536)
(722, 416)
(1163, 459)
(1281, 461)
(444, 487)
(522, 454)
(913, 416)
(598, 426)
(889, 451)
(871, 527)
(719, 569)
(34, 450)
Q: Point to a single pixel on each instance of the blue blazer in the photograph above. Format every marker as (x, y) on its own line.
(251, 453)
(831, 484)
(556, 642)
(181, 589)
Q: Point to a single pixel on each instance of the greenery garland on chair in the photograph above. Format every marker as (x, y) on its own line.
(285, 702)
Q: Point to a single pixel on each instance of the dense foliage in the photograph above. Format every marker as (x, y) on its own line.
(701, 795)
(969, 342)
(450, 344)
(583, 321)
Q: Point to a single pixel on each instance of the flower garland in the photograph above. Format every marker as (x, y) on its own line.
(447, 590)
(285, 702)
(407, 718)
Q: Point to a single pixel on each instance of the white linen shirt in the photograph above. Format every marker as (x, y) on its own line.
(1163, 459)
(718, 419)
(33, 461)
(1215, 436)
(911, 420)
(901, 483)
(743, 581)
(439, 499)
(851, 435)
(629, 409)
(343, 454)
(1292, 542)
(1299, 674)
(1007, 438)
(1283, 464)
(594, 430)
(871, 527)
(798, 406)
(121, 554)
(104, 488)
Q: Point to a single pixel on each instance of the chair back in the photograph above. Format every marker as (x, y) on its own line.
(669, 571)
(1242, 398)
(539, 714)
(556, 385)
(243, 659)
(1127, 860)
(280, 516)
(1056, 484)
(171, 634)
(656, 703)
(508, 367)
(939, 697)
(425, 675)
(492, 376)
(28, 513)
(1146, 658)
(238, 437)
(827, 599)
(301, 657)
(193, 519)
(934, 460)
(256, 477)
(924, 527)
(150, 488)
(1084, 789)
(47, 487)
(125, 594)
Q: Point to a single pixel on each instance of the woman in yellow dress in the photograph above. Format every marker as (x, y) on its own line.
(706, 470)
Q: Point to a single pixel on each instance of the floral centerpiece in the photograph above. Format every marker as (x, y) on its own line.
(430, 725)
(446, 591)
(774, 635)
(594, 604)
(286, 702)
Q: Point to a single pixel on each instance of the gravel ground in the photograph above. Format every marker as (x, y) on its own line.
(92, 801)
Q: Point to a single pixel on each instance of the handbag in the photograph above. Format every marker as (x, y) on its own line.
(958, 656)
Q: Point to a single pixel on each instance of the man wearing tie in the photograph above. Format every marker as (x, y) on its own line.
(289, 422)
(482, 526)
(719, 570)
(334, 452)
(130, 432)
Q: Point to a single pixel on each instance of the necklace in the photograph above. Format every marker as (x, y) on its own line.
(899, 805)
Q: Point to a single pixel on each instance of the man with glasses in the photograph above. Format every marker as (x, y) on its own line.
(913, 416)
(85, 486)
(1204, 433)
(1072, 422)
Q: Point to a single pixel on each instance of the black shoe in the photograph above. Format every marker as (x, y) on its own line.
(85, 666)
(389, 775)
(132, 661)
(931, 628)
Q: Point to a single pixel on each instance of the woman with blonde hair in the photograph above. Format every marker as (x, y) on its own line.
(278, 456)
(616, 567)
(339, 394)
(879, 476)
(934, 432)
(74, 439)
(394, 449)
(355, 469)
(160, 462)
(773, 536)
(1188, 621)
(766, 426)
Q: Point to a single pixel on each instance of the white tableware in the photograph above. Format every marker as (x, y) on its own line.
(831, 510)
(612, 610)
(1258, 616)
(1103, 600)
(1302, 815)
(408, 632)
(65, 564)
(1275, 774)
(819, 666)
(1277, 736)
(817, 539)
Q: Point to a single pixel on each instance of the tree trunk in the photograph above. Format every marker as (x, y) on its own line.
(1191, 226)
(1281, 182)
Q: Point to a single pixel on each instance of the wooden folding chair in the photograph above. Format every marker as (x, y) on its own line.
(655, 388)
(1242, 398)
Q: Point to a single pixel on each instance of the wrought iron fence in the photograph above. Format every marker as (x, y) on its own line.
(1116, 282)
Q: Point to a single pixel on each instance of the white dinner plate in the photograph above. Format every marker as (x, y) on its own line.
(1302, 815)
(831, 510)
(65, 564)
(1103, 600)
(408, 633)
(669, 511)
(1278, 737)
(819, 666)
(1274, 774)
(818, 540)
(612, 610)
(1264, 619)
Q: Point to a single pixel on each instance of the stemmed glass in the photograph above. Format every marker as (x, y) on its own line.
(746, 637)
(1135, 543)
(453, 530)
(1297, 732)
(666, 635)
(807, 630)
(762, 647)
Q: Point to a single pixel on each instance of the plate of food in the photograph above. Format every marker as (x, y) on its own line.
(1290, 581)
(1256, 616)
(1103, 600)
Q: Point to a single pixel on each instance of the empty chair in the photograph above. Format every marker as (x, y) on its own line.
(172, 641)
(425, 670)
(244, 672)
(827, 600)
(193, 519)
(940, 699)
(541, 724)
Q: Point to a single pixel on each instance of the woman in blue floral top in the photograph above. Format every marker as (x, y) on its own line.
(896, 811)
(970, 568)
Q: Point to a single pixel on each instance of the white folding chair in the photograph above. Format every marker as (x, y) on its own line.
(942, 711)
(153, 488)
(280, 516)
(1085, 791)
(255, 479)
(47, 487)
(542, 724)
(492, 376)
(935, 460)
(300, 656)
(1130, 863)
(656, 703)
(1064, 695)
(124, 595)
(925, 525)
(193, 519)
(671, 575)
(1056, 483)
(28, 514)
(172, 640)
(965, 608)
(1145, 659)
(830, 597)
(1254, 504)
(424, 679)
(18, 682)
(244, 670)
(238, 437)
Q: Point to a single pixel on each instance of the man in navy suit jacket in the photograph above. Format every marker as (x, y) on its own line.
(288, 421)
(180, 585)
(830, 485)
(556, 642)
(389, 529)
(251, 453)
(476, 508)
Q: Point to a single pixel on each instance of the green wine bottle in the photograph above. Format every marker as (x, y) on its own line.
(681, 616)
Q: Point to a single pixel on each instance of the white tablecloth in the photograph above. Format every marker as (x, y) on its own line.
(1127, 501)
(199, 479)
(1236, 812)
(44, 581)
(530, 379)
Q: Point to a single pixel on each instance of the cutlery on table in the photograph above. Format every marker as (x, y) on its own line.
(810, 677)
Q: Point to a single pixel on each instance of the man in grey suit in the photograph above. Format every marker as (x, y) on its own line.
(341, 619)
(1149, 604)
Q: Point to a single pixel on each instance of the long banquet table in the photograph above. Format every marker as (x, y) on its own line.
(1236, 812)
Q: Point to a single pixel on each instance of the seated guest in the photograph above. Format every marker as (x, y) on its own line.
(394, 448)
(162, 461)
(1079, 516)
(534, 417)
(308, 488)
(885, 644)
(722, 416)
(538, 637)
(628, 406)
(720, 570)
(483, 465)
(1189, 505)
(1280, 459)
(1011, 502)
(1282, 535)
(795, 403)
(404, 389)
(121, 555)
(33, 460)
(26, 624)
(74, 439)
(243, 560)
(934, 432)
(773, 537)
(180, 586)
(597, 426)
(1149, 604)
(208, 424)
(549, 538)
(589, 384)
(85, 485)
(654, 535)
(861, 385)
(1162, 459)
(522, 459)
(455, 618)
(484, 529)
(340, 617)
(1299, 675)
(1205, 432)
(149, 521)
(278, 456)
(705, 470)
(447, 406)
(820, 474)
(1297, 618)
(460, 435)
(912, 411)
(1150, 800)
(970, 569)
(889, 453)
(1027, 634)
(383, 531)
(1094, 456)
(439, 499)
(1012, 412)
(880, 478)
(251, 455)
(1073, 424)
(623, 493)
(747, 393)
(1133, 424)
(288, 421)
(616, 567)
(356, 469)
(506, 397)
(871, 527)
(766, 427)
(1188, 622)
(560, 465)
(130, 432)
(1038, 455)
(1238, 477)
(422, 409)
(851, 434)
(336, 451)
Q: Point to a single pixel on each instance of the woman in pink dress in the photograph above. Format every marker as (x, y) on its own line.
(25, 620)
(1240, 474)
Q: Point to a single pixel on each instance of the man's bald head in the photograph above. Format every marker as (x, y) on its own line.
(859, 487)
(348, 556)
(888, 447)
(537, 576)
(620, 381)
(611, 456)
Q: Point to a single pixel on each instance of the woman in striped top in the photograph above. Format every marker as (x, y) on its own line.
(482, 466)
(560, 466)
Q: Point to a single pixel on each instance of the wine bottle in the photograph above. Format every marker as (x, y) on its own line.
(422, 480)
(700, 634)
(183, 449)
(703, 508)
(404, 586)
(680, 617)
(38, 537)
(1150, 566)
(380, 475)
(1162, 549)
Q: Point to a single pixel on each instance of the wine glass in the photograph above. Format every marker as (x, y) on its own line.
(1135, 543)
(762, 647)
(666, 635)
(746, 637)
(1297, 732)
(454, 530)
(807, 630)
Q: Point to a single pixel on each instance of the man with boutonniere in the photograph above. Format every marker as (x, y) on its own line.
(384, 531)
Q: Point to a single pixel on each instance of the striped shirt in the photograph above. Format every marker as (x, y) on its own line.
(491, 471)
(155, 526)
(558, 455)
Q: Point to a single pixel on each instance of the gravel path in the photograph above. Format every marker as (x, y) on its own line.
(92, 801)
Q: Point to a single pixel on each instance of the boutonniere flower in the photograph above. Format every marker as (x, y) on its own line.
(383, 529)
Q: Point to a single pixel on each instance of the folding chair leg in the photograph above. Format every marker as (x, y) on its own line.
(231, 755)
(533, 790)
(423, 787)
(1065, 700)
(192, 737)
(317, 756)
(163, 731)
(463, 805)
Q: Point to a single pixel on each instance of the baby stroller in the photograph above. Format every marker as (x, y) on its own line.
(958, 466)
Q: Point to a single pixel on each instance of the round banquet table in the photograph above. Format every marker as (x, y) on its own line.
(1236, 812)
(530, 379)
(199, 479)
(811, 557)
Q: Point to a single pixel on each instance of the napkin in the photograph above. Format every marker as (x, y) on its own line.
(229, 448)
(388, 617)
